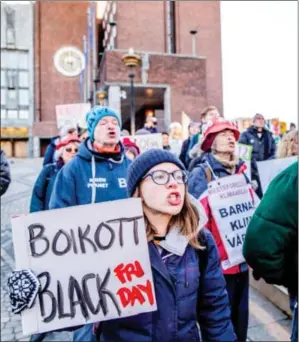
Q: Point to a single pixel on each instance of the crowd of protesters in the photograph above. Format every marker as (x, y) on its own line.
(211, 302)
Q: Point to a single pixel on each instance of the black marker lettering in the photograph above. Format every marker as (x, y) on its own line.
(86, 294)
(97, 236)
(60, 302)
(55, 240)
(50, 294)
(82, 237)
(39, 236)
(75, 248)
(75, 287)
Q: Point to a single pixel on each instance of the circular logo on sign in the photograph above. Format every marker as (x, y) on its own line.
(69, 61)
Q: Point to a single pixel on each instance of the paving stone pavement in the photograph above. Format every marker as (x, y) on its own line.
(266, 322)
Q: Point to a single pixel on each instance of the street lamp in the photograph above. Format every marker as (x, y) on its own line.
(193, 34)
(132, 60)
(101, 96)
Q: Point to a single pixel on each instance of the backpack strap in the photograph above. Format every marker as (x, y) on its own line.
(208, 174)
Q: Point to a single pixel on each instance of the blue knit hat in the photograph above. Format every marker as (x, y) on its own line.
(143, 163)
(95, 115)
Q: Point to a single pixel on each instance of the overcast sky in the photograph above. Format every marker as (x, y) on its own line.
(260, 58)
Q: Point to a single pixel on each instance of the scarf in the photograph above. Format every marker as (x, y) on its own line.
(108, 153)
(229, 165)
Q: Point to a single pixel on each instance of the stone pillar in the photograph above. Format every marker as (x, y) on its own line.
(114, 100)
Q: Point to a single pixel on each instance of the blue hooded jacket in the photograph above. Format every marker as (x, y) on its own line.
(90, 178)
(43, 187)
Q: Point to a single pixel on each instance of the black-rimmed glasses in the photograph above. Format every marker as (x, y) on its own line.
(161, 177)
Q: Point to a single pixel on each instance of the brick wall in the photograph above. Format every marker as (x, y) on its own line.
(185, 76)
(57, 24)
(205, 16)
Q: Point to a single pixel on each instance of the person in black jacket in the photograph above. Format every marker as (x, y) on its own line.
(4, 173)
(263, 144)
(193, 129)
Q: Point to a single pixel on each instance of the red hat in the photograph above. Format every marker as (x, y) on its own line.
(67, 140)
(130, 144)
(213, 130)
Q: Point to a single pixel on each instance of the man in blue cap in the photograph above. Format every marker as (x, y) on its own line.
(98, 172)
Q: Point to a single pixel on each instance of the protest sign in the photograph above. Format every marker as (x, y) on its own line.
(243, 151)
(147, 141)
(232, 203)
(92, 262)
(70, 114)
(269, 169)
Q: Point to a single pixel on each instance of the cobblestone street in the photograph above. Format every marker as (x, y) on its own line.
(267, 323)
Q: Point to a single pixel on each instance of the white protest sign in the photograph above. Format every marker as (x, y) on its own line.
(147, 141)
(71, 114)
(232, 203)
(243, 151)
(269, 169)
(92, 262)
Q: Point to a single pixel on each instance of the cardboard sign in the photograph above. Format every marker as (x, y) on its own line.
(269, 169)
(92, 262)
(71, 114)
(232, 203)
(148, 141)
(243, 151)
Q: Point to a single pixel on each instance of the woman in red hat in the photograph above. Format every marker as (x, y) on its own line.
(131, 148)
(65, 151)
(219, 160)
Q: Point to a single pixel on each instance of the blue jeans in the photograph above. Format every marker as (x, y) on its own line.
(84, 334)
(237, 286)
(294, 336)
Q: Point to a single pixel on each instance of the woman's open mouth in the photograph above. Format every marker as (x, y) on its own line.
(174, 198)
(112, 135)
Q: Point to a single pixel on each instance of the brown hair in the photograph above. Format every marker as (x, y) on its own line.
(285, 146)
(187, 220)
(205, 111)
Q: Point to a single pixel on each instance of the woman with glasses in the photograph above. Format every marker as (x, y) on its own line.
(65, 151)
(189, 285)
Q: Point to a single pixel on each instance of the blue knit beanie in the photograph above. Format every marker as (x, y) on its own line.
(95, 115)
(144, 162)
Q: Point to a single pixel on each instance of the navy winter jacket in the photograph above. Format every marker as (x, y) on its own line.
(183, 155)
(264, 148)
(43, 187)
(189, 289)
(50, 151)
(88, 170)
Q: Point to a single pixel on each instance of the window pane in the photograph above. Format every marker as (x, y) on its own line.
(11, 99)
(12, 79)
(3, 113)
(12, 114)
(4, 59)
(12, 59)
(23, 79)
(23, 60)
(3, 97)
(23, 114)
(3, 78)
(24, 97)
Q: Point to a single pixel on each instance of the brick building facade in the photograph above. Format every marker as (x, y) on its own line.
(170, 80)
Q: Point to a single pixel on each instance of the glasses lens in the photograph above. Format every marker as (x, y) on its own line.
(69, 150)
(180, 176)
(160, 177)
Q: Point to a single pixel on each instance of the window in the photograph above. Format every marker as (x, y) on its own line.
(23, 79)
(14, 84)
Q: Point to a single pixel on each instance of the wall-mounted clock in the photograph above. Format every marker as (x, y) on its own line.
(69, 61)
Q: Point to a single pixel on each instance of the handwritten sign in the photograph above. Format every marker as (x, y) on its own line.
(148, 141)
(232, 203)
(244, 151)
(92, 262)
(269, 169)
(71, 114)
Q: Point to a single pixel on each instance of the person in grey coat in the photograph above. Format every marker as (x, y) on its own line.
(263, 147)
(4, 173)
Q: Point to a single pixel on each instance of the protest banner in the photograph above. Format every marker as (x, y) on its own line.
(147, 141)
(232, 202)
(269, 169)
(243, 151)
(92, 262)
(70, 114)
